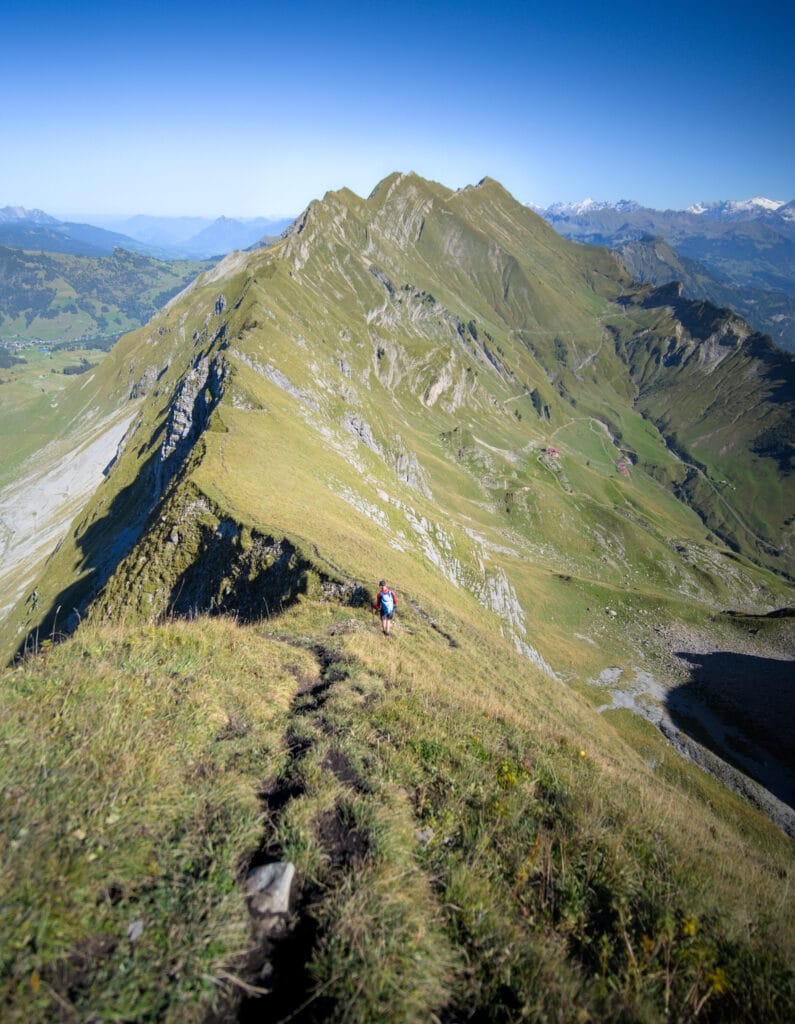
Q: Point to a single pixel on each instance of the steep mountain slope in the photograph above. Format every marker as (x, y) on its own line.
(756, 255)
(654, 260)
(522, 386)
(434, 387)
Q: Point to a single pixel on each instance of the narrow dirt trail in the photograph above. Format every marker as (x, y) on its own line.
(276, 975)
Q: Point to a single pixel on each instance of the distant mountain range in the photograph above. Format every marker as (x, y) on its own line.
(723, 210)
(36, 231)
(164, 238)
(741, 253)
(68, 281)
(744, 209)
(199, 237)
(14, 214)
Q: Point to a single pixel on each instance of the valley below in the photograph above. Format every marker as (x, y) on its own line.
(723, 700)
(36, 511)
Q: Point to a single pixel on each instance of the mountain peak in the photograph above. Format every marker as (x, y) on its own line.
(385, 184)
(727, 209)
(490, 186)
(391, 181)
(19, 213)
(404, 182)
(589, 205)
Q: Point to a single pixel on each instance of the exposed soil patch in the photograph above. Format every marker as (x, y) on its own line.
(275, 796)
(344, 843)
(69, 976)
(337, 763)
(312, 698)
(280, 967)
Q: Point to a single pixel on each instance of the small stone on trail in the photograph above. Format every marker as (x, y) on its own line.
(136, 930)
(423, 835)
(268, 887)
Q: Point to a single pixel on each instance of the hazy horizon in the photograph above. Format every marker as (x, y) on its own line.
(100, 218)
(106, 219)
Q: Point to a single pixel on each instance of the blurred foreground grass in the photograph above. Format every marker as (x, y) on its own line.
(470, 837)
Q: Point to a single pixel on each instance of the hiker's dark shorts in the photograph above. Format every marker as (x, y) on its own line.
(387, 615)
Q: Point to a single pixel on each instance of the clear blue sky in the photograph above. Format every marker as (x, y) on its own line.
(247, 109)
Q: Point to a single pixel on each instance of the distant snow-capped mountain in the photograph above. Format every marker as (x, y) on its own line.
(733, 209)
(601, 223)
(724, 209)
(737, 253)
(12, 214)
(590, 206)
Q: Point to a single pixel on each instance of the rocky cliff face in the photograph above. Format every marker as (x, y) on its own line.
(197, 395)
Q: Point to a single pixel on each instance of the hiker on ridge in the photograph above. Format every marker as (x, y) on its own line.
(385, 606)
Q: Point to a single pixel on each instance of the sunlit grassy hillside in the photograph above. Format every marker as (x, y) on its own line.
(432, 387)
(470, 838)
(52, 296)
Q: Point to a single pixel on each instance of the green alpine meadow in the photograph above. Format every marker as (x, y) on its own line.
(54, 296)
(562, 789)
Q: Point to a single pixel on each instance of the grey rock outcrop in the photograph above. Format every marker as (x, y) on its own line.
(195, 399)
(267, 890)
